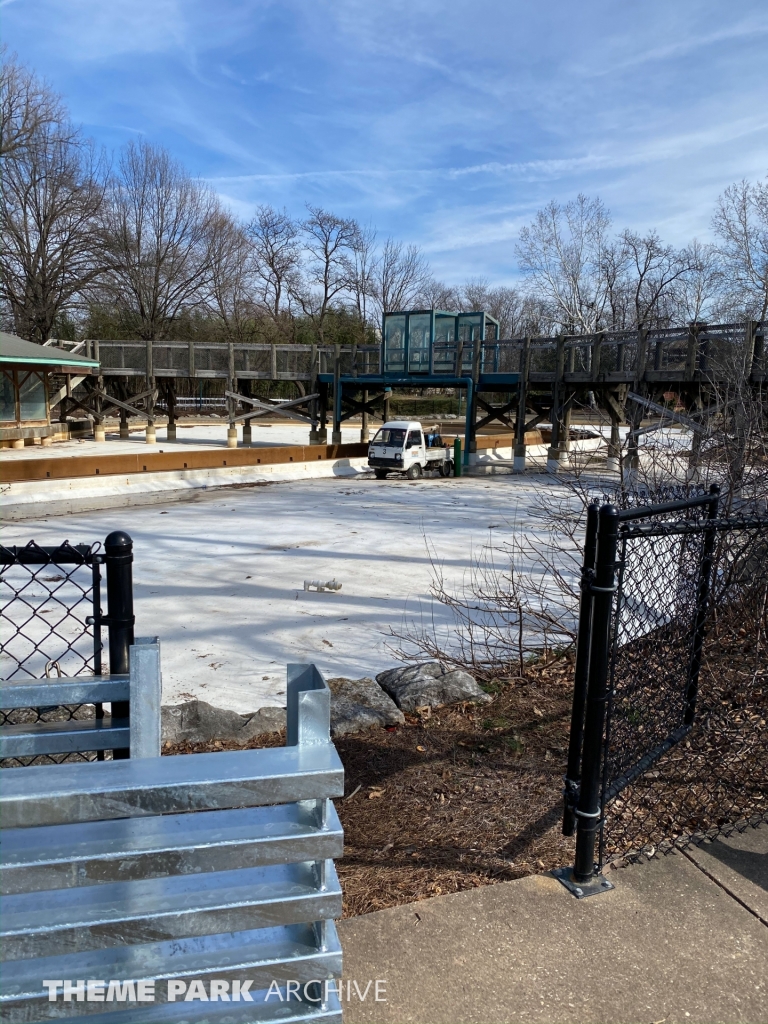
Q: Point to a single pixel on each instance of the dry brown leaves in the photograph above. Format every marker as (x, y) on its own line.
(455, 798)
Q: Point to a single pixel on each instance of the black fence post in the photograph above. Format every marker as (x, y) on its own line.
(573, 771)
(118, 548)
(589, 810)
(702, 607)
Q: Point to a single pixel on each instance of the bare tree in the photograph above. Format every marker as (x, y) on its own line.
(276, 252)
(741, 223)
(363, 273)
(28, 107)
(503, 303)
(400, 277)
(562, 253)
(435, 294)
(699, 290)
(230, 296)
(329, 243)
(654, 269)
(157, 229)
(51, 198)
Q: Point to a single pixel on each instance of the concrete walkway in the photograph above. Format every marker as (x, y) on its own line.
(682, 939)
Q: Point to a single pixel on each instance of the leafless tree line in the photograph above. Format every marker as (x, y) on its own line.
(135, 246)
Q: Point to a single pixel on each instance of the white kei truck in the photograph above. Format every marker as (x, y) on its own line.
(402, 446)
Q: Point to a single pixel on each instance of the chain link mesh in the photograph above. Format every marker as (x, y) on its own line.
(47, 596)
(672, 778)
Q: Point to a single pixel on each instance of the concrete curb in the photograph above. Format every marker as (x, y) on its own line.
(28, 499)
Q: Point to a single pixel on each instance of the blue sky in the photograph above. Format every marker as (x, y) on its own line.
(443, 123)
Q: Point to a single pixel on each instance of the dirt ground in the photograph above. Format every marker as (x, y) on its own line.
(463, 797)
(468, 796)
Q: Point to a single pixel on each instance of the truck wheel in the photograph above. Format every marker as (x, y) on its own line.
(446, 468)
(380, 474)
(413, 472)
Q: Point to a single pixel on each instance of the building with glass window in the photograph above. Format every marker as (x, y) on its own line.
(26, 370)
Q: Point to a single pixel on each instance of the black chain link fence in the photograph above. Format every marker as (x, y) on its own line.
(686, 751)
(668, 740)
(50, 607)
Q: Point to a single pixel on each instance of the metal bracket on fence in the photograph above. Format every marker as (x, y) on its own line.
(588, 584)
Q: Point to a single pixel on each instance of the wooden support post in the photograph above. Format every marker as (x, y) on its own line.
(322, 412)
(691, 355)
(99, 434)
(631, 469)
(314, 388)
(694, 459)
(597, 352)
(150, 436)
(231, 386)
(121, 386)
(170, 394)
(613, 462)
(518, 464)
(554, 451)
(336, 433)
(364, 424)
(245, 386)
(385, 405)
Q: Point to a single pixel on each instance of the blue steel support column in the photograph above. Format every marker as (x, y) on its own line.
(469, 422)
(336, 434)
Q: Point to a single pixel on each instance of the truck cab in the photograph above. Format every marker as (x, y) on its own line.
(401, 446)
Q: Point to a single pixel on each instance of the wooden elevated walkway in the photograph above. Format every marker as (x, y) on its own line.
(516, 382)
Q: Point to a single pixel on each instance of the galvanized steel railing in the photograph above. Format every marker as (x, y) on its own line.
(150, 875)
(139, 689)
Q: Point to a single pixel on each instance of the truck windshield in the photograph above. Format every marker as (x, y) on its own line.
(390, 435)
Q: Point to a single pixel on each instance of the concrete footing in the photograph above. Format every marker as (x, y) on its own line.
(336, 437)
(170, 433)
(553, 460)
(125, 434)
(151, 436)
(232, 437)
(99, 433)
(247, 434)
(518, 464)
(18, 442)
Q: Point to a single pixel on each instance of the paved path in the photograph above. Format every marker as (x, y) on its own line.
(682, 939)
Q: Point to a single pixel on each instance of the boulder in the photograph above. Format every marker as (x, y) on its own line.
(430, 684)
(358, 704)
(198, 722)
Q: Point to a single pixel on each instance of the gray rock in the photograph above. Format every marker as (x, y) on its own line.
(358, 704)
(198, 722)
(431, 684)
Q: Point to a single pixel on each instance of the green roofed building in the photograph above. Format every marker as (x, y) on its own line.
(27, 370)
